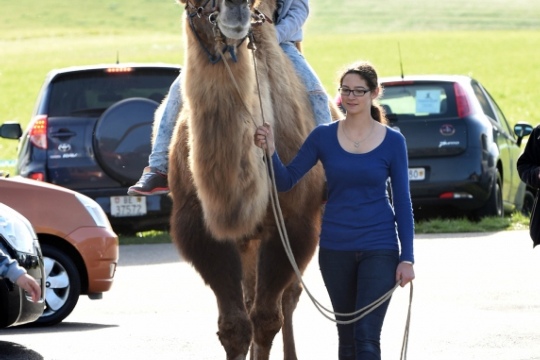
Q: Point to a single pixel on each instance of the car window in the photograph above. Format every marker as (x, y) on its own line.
(418, 99)
(500, 116)
(84, 93)
(482, 99)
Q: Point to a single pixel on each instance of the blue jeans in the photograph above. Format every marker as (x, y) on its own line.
(167, 112)
(317, 95)
(354, 279)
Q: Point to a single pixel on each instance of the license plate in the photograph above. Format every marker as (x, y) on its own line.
(124, 206)
(417, 174)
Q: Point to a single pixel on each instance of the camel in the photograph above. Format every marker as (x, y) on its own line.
(221, 220)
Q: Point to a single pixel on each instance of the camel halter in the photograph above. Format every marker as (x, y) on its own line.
(211, 15)
(276, 208)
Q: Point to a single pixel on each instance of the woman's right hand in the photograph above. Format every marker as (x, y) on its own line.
(264, 138)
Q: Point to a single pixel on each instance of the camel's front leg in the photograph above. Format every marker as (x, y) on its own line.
(278, 290)
(249, 250)
(288, 304)
(266, 315)
(219, 264)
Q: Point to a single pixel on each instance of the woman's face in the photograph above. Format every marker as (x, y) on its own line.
(354, 104)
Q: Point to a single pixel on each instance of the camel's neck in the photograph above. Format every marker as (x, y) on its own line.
(227, 169)
(222, 98)
(219, 89)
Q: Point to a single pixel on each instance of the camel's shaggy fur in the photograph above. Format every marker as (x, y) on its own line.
(221, 220)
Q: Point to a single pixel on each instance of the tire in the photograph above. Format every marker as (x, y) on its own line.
(494, 204)
(528, 202)
(63, 286)
(122, 138)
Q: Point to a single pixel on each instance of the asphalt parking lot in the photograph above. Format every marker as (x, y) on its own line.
(476, 296)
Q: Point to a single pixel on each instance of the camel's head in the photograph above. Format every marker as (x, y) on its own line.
(232, 17)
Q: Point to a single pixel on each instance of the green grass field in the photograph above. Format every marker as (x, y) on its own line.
(496, 42)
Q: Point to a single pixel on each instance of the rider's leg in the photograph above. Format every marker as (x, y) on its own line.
(154, 178)
(317, 95)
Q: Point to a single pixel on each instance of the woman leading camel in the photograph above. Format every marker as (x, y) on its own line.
(362, 230)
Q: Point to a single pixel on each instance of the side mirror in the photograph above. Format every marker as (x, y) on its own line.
(10, 130)
(522, 129)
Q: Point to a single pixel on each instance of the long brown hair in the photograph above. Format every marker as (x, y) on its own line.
(367, 71)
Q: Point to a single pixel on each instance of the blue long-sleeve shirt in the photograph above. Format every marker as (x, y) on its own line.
(358, 214)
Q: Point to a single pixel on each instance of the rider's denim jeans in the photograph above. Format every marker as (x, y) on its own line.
(317, 95)
(167, 113)
(353, 280)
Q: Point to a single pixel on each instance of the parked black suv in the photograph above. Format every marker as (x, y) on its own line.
(91, 132)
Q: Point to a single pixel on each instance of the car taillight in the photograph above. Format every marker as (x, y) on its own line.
(463, 106)
(38, 131)
(37, 176)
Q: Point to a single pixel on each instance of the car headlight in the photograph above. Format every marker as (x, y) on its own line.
(95, 211)
(18, 232)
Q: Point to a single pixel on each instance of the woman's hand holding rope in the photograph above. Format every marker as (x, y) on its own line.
(264, 138)
(404, 273)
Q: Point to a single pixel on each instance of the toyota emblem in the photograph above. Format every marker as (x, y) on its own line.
(64, 147)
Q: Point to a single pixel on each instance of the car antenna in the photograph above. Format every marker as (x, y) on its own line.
(400, 60)
(117, 57)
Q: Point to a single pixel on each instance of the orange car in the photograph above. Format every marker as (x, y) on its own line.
(80, 249)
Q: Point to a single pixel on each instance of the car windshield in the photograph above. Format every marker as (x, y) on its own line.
(418, 100)
(91, 92)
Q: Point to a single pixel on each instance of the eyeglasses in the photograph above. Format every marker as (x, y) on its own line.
(356, 92)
